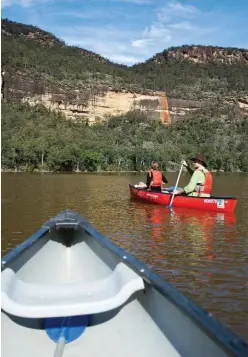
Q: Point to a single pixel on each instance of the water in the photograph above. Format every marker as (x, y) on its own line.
(204, 254)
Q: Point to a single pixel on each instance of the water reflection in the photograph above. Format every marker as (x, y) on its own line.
(197, 228)
(202, 254)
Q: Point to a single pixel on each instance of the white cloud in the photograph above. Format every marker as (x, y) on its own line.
(184, 25)
(108, 41)
(87, 15)
(175, 9)
(22, 3)
(128, 60)
(6, 3)
(91, 14)
(141, 43)
(181, 9)
(26, 3)
(156, 34)
(173, 26)
(139, 2)
(157, 31)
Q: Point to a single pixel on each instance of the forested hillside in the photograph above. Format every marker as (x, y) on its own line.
(48, 61)
(34, 138)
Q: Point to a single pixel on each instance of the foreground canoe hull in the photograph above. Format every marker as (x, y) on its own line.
(67, 252)
(217, 204)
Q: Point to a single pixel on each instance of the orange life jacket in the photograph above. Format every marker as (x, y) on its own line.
(208, 184)
(157, 177)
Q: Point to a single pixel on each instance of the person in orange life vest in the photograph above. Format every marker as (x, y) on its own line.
(155, 178)
(201, 181)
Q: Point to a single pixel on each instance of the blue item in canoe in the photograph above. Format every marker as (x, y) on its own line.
(70, 327)
(172, 188)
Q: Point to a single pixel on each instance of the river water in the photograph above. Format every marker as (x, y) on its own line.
(204, 254)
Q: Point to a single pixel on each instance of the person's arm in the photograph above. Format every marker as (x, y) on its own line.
(149, 178)
(191, 185)
(164, 179)
(190, 171)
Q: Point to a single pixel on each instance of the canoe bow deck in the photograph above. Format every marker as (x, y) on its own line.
(213, 203)
(69, 268)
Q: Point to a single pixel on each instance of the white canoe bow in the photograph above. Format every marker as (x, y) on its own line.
(68, 268)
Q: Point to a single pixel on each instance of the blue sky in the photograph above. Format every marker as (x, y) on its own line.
(131, 31)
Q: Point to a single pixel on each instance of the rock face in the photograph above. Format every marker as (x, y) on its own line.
(203, 54)
(116, 103)
(98, 103)
(105, 104)
(91, 104)
(243, 103)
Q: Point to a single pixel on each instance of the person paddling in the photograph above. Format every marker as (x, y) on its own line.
(201, 182)
(155, 178)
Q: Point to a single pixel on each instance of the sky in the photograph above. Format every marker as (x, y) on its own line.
(131, 31)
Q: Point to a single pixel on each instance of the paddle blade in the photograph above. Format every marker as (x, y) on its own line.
(70, 328)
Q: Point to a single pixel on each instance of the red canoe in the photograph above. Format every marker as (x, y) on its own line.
(213, 203)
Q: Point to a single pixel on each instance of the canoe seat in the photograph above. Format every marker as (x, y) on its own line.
(30, 300)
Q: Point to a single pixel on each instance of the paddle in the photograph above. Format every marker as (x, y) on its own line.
(64, 330)
(172, 198)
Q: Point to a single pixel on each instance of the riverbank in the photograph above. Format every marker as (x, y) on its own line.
(103, 171)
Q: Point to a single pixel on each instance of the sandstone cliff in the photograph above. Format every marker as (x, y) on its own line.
(111, 103)
(203, 54)
(98, 103)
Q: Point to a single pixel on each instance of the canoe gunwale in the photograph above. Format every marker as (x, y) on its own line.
(221, 334)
